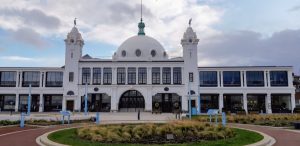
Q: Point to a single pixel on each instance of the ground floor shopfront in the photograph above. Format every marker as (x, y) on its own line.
(133, 101)
(250, 102)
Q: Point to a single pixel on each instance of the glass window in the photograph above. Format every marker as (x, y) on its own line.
(191, 77)
(255, 78)
(155, 75)
(142, 75)
(71, 76)
(96, 76)
(8, 79)
(54, 79)
(177, 77)
(208, 79)
(279, 78)
(121, 75)
(231, 79)
(131, 75)
(86, 75)
(107, 77)
(166, 75)
(31, 77)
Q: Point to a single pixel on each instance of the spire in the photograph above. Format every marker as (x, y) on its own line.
(141, 24)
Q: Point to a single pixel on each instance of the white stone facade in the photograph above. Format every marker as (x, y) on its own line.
(144, 52)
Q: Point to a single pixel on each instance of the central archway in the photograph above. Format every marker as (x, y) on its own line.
(131, 101)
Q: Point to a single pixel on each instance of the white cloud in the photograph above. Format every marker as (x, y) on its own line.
(15, 61)
(111, 21)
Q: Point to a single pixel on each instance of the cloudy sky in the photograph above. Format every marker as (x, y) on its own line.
(231, 32)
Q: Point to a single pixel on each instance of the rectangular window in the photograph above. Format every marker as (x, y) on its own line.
(255, 78)
(191, 77)
(54, 79)
(121, 75)
(71, 76)
(31, 78)
(96, 76)
(177, 77)
(208, 78)
(279, 78)
(107, 76)
(142, 75)
(166, 75)
(155, 75)
(131, 75)
(8, 79)
(86, 75)
(231, 79)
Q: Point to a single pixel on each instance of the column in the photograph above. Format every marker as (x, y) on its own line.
(91, 80)
(171, 75)
(293, 104)
(199, 103)
(114, 103)
(218, 78)
(268, 104)
(268, 79)
(17, 78)
(265, 78)
(44, 79)
(41, 79)
(41, 107)
(149, 75)
(148, 100)
(17, 102)
(245, 78)
(245, 102)
(114, 76)
(161, 68)
(221, 102)
(64, 104)
(137, 75)
(21, 79)
(221, 72)
(241, 77)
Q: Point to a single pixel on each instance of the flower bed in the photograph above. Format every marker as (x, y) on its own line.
(276, 120)
(174, 132)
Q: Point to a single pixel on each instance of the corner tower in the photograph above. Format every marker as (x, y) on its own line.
(74, 44)
(189, 44)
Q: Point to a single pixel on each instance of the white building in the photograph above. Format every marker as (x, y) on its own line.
(141, 76)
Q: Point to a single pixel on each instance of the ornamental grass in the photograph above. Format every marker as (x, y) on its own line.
(276, 120)
(177, 131)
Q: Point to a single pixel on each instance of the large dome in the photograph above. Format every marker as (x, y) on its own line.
(140, 47)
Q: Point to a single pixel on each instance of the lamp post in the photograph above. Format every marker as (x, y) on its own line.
(29, 101)
(85, 100)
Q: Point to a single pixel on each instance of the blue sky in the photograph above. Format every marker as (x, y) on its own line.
(236, 32)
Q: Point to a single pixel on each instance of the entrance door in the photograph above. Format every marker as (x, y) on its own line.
(167, 103)
(132, 101)
(70, 105)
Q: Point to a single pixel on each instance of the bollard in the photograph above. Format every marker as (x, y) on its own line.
(97, 118)
(139, 115)
(224, 119)
(22, 120)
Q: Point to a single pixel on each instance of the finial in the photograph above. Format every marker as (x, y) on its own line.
(141, 10)
(75, 22)
(141, 24)
(190, 22)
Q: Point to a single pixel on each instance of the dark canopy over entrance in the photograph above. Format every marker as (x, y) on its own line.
(131, 101)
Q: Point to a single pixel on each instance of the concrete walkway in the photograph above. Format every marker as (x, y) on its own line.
(105, 116)
(282, 136)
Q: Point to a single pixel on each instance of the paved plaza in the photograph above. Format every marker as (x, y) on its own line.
(105, 116)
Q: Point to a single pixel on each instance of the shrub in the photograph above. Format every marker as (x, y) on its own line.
(183, 131)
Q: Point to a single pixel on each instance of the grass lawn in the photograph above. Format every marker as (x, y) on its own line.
(243, 137)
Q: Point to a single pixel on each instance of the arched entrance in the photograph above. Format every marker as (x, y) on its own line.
(131, 101)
